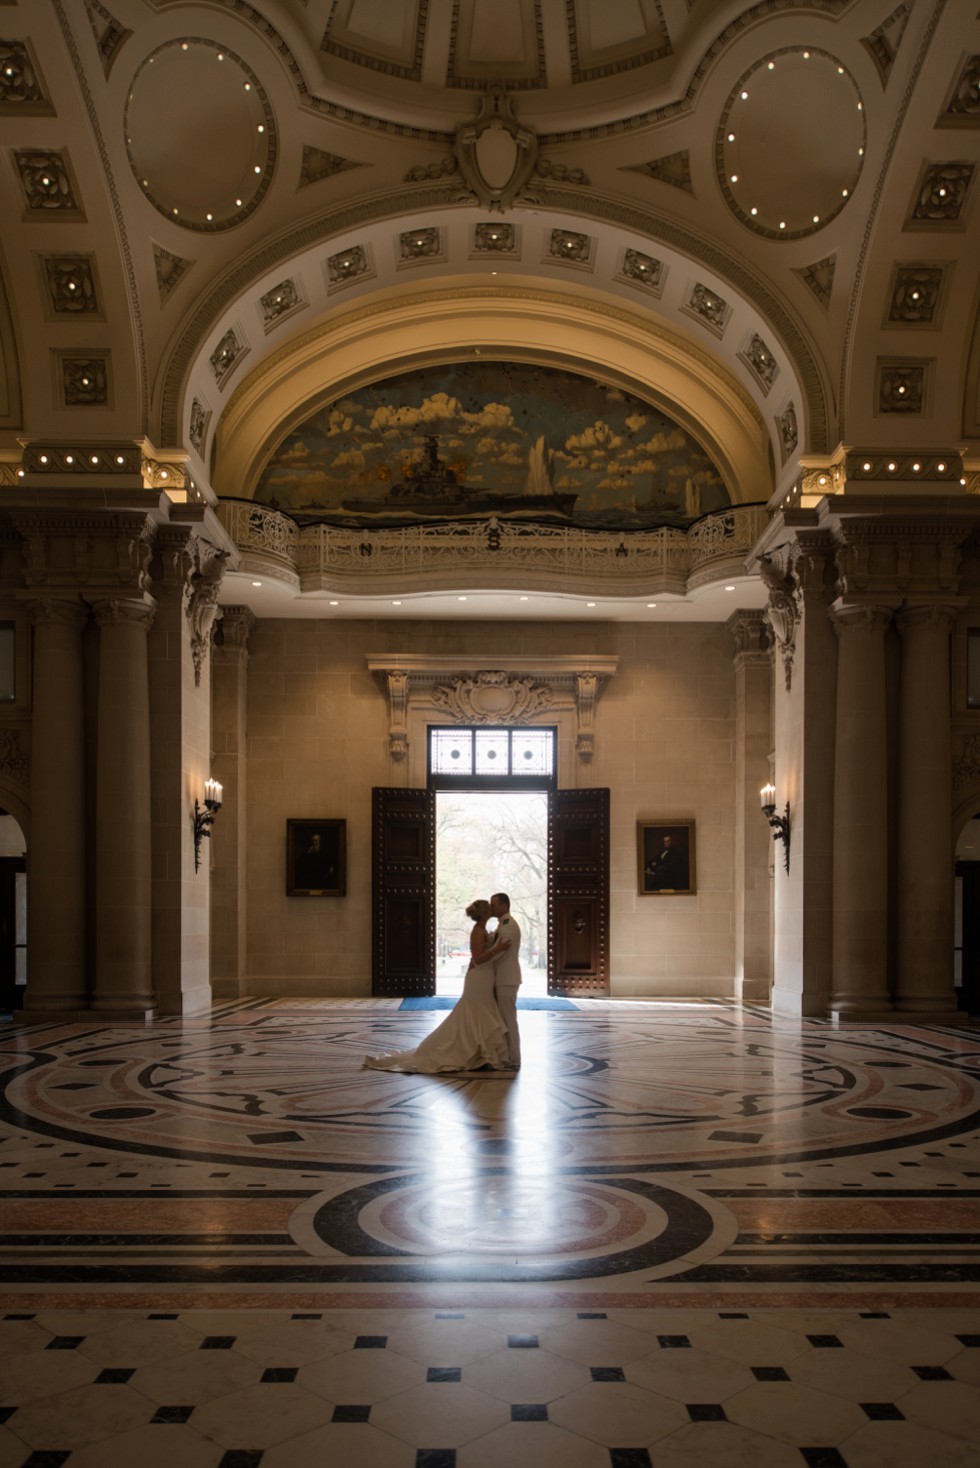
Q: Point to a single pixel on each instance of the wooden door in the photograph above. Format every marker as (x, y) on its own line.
(578, 892)
(404, 892)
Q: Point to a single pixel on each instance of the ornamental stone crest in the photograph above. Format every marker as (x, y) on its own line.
(496, 155)
(206, 567)
(492, 698)
(966, 769)
(783, 611)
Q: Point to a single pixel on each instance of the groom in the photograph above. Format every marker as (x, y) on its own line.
(507, 975)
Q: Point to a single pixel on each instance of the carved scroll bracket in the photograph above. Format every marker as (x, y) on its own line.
(445, 689)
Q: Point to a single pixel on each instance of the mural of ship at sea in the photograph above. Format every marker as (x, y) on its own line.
(482, 438)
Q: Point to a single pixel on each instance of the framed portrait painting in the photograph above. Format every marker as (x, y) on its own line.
(316, 858)
(665, 852)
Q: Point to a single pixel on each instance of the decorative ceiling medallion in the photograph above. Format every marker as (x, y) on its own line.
(21, 89)
(84, 381)
(495, 239)
(423, 246)
(193, 99)
(963, 107)
(711, 309)
(318, 165)
(282, 301)
(70, 281)
(643, 270)
(229, 351)
(790, 145)
(673, 168)
(496, 155)
(760, 359)
(347, 266)
(819, 278)
(916, 295)
(109, 33)
(47, 183)
(571, 248)
(941, 195)
(902, 386)
(169, 268)
(883, 43)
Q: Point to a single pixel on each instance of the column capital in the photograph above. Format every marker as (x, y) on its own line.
(869, 617)
(115, 611)
(750, 632)
(936, 616)
(57, 611)
(236, 628)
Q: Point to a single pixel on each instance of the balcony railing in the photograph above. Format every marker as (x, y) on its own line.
(492, 554)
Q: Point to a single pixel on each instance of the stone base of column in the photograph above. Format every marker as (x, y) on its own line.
(751, 991)
(54, 1003)
(123, 1006)
(797, 1005)
(945, 1017)
(188, 1001)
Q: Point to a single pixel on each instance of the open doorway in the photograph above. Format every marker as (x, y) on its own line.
(491, 841)
(13, 914)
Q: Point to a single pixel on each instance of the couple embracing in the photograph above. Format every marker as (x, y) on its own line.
(480, 1032)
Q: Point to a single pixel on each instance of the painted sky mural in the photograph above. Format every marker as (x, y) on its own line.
(493, 438)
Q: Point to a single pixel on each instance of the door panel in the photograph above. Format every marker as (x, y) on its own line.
(404, 896)
(578, 892)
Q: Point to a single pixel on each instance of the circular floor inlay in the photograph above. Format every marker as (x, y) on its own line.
(200, 134)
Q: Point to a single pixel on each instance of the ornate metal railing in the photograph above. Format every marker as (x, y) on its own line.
(491, 554)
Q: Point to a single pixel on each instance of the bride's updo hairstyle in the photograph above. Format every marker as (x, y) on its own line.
(478, 910)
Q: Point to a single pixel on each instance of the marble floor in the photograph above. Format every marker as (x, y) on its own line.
(683, 1234)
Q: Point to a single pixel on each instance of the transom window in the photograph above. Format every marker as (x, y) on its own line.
(508, 756)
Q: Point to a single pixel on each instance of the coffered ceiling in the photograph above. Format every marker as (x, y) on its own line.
(763, 216)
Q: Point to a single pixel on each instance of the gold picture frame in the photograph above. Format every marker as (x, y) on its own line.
(316, 858)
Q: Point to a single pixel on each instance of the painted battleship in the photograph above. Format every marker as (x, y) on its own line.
(434, 489)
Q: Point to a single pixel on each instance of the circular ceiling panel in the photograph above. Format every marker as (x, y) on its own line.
(790, 145)
(200, 135)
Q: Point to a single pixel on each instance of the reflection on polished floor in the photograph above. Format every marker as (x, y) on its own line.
(684, 1234)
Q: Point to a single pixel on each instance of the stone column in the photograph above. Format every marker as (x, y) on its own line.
(56, 908)
(228, 850)
(924, 985)
(123, 980)
(753, 742)
(860, 978)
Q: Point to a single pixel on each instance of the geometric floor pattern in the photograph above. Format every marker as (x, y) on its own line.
(683, 1234)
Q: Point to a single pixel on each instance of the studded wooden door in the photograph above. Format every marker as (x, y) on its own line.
(404, 892)
(578, 892)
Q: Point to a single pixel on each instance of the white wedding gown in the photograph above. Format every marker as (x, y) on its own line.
(472, 1035)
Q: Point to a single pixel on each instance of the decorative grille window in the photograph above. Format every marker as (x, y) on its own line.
(515, 756)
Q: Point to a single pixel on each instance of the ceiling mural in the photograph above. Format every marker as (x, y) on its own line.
(493, 438)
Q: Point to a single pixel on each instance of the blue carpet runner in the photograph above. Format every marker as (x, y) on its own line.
(446, 1001)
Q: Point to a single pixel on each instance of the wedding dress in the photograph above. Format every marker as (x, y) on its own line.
(471, 1036)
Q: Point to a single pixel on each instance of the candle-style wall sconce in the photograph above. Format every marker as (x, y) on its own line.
(779, 824)
(204, 817)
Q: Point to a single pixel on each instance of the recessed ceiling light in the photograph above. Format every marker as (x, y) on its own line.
(729, 588)
(590, 603)
(396, 604)
(651, 605)
(461, 598)
(523, 598)
(335, 603)
(256, 583)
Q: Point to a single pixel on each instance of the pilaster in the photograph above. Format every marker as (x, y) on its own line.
(228, 839)
(753, 742)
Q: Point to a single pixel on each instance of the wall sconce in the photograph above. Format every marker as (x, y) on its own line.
(779, 824)
(204, 817)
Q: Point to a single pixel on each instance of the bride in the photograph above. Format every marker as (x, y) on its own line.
(473, 1035)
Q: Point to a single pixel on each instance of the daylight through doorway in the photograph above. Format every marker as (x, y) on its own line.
(491, 841)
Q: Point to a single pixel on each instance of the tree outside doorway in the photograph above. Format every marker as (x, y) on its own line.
(491, 841)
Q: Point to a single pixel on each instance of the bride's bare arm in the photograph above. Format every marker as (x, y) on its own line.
(485, 954)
